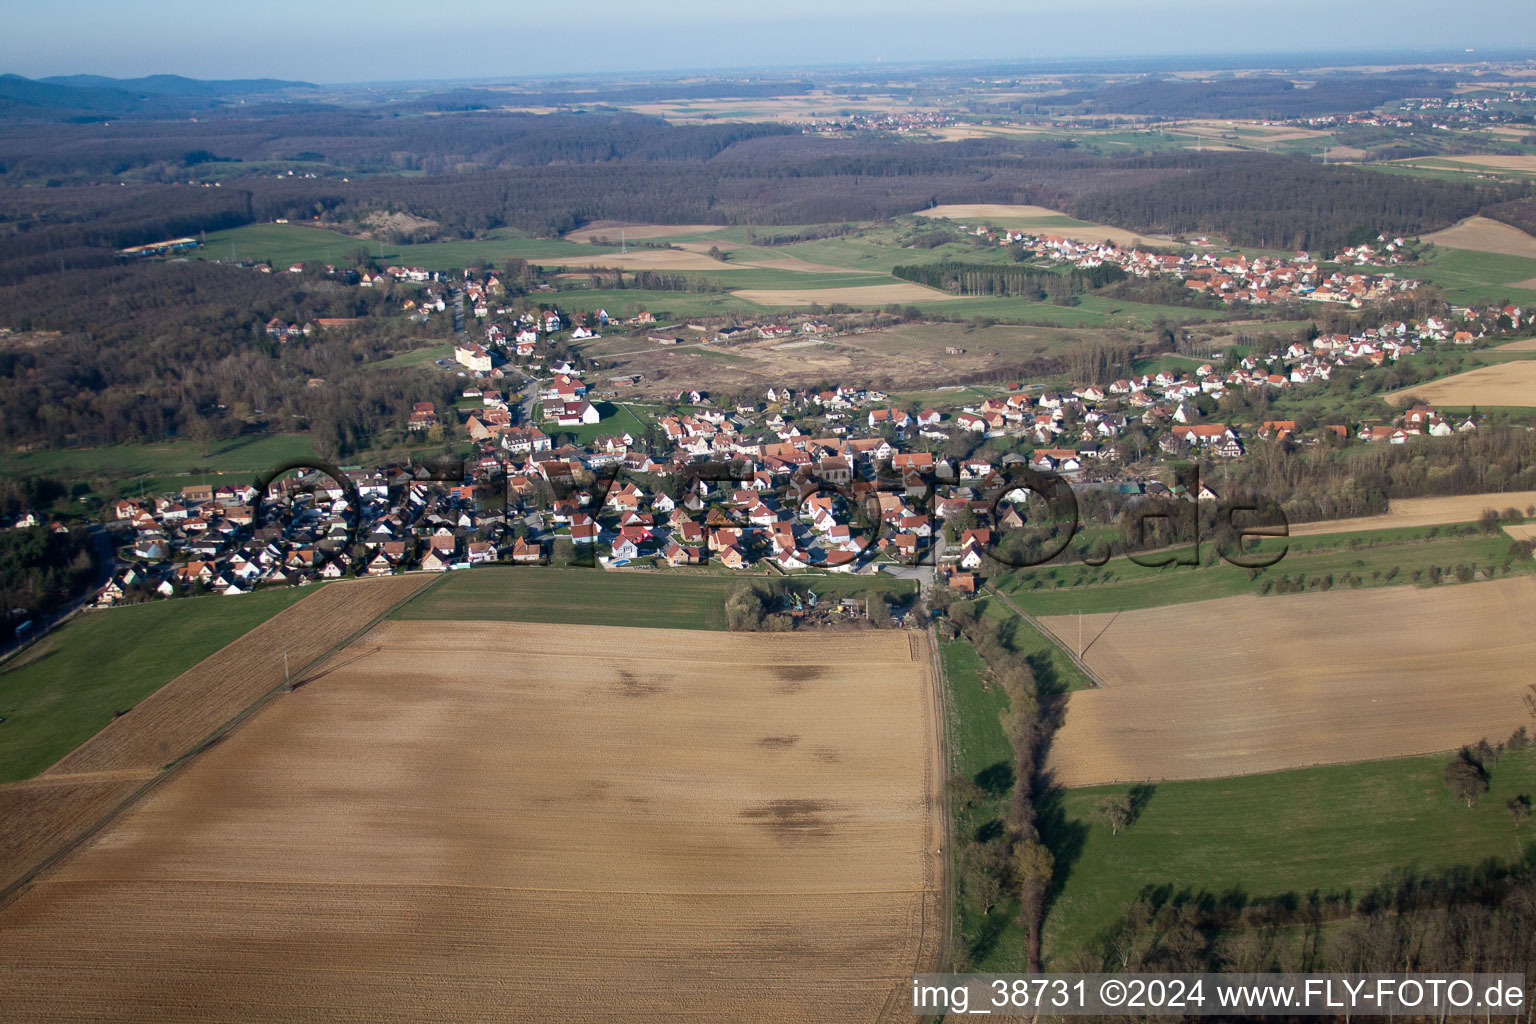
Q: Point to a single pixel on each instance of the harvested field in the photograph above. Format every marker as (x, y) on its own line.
(41, 816)
(1504, 162)
(476, 821)
(982, 211)
(860, 295)
(187, 709)
(1048, 221)
(1521, 531)
(610, 229)
(1484, 234)
(1524, 344)
(1508, 383)
(1258, 684)
(1406, 512)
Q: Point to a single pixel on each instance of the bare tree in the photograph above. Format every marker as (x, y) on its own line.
(1519, 808)
(1116, 812)
(1466, 778)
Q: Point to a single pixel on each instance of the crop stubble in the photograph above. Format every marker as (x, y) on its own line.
(1256, 684)
(516, 821)
(1403, 513)
(175, 717)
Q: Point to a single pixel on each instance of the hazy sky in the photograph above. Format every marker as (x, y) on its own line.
(342, 41)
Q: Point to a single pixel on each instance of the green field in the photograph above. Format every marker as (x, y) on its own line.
(1477, 277)
(1333, 829)
(576, 596)
(243, 455)
(63, 690)
(868, 255)
(978, 743)
(283, 244)
(1122, 585)
(1054, 670)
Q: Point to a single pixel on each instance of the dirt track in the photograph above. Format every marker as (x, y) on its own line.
(1258, 684)
(497, 821)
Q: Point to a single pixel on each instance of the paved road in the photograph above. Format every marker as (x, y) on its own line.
(106, 552)
(924, 572)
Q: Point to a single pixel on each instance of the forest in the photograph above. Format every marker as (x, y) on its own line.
(147, 351)
(1037, 284)
(476, 173)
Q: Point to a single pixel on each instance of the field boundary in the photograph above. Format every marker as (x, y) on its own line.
(946, 759)
(21, 882)
(1082, 666)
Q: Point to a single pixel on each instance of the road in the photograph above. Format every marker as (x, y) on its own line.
(924, 572)
(106, 552)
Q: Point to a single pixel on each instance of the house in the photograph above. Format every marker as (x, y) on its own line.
(572, 414)
(524, 552)
(678, 555)
(473, 358)
(423, 416)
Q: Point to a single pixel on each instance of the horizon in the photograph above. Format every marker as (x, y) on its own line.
(288, 41)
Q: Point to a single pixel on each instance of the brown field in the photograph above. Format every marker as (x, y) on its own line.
(861, 295)
(489, 821)
(1019, 216)
(1484, 234)
(1511, 383)
(1408, 512)
(635, 232)
(1525, 163)
(1521, 531)
(184, 711)
(1257, 684)
(41, 816)
(1524, 344)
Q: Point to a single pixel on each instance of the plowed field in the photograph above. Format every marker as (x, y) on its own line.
(509, 821)
(1257, 684)
(175, 717)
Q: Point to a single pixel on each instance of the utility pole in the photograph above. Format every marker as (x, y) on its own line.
(623, 243)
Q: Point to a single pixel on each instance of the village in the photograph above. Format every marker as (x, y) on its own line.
(1256, 280)
(837, 480)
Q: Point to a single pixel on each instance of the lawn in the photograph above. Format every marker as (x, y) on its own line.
(616, 419)
(416, 357)
(577, 596)
(1333, 829)
(63, 690)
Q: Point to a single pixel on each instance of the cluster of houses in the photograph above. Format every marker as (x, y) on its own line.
(1256, 280)
(1446, 113)
(833, 480)
(898, 122)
